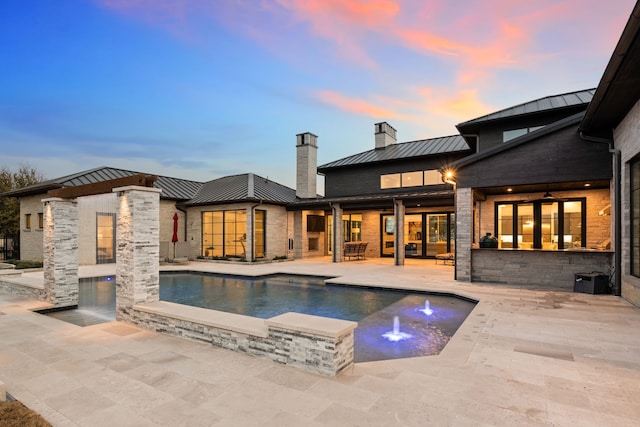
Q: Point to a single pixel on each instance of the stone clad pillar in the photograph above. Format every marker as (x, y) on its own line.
(138, 248)
(398, 212)
(464, 233)
(60, 246)
(336, 211)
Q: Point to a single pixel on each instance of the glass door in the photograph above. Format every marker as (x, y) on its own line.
(437, 231)
(413, 236)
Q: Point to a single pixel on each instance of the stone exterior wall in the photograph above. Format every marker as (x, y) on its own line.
(14, 287)
(286, 342)
(627, 140)
(137, 268)
(31, 239)
(60, 246)
(537, 269)
(305, 236)
(464, 234)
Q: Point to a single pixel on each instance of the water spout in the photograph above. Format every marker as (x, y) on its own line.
(396, 335)
(427, 308)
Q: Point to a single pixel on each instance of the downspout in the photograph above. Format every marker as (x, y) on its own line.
(617, 209)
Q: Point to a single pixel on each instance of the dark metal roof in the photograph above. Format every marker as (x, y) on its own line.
(619, 87)
(172, 188)
(423, 147)
(571, 99)
(245, 187)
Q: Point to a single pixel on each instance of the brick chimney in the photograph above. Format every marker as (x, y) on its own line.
(385, 135)
(306, 165)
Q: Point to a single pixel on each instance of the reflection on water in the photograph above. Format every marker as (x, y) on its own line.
(269, 296)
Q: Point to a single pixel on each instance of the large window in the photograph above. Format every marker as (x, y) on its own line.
(558, 224)
(224, 233)
(27, 221)
(410, 179)
(508, 135)
(635, 217)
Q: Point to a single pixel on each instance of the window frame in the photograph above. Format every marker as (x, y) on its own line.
(27, 221)
(537, 221)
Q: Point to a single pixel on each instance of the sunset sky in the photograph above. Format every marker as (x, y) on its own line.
(201, 89)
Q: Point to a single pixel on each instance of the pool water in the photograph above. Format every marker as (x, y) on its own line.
(268, 296)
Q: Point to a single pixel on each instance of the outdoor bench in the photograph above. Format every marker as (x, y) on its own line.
(355, 250)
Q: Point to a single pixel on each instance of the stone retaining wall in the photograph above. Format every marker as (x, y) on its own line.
(537, 269)
(23, 290)
(316, 344)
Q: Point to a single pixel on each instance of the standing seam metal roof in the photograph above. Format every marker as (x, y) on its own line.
(542, 104)
(242, 188)
(172, 188)
(404, 150)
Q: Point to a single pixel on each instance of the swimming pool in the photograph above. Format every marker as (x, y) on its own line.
(419, 331)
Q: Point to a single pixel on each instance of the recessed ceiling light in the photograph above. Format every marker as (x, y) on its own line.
(587, 185)
(509, 190)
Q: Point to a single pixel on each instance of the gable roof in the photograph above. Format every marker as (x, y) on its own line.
(619, 87)
(524, 139)
(404, 150)
(548, 103)
(242, 188)
(172, 188)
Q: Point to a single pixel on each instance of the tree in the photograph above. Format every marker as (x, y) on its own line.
(10, 206)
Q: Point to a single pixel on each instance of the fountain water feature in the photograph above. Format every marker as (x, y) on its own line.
(427, 308)
(396, 335)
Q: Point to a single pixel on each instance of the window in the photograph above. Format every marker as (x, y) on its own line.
(105, 238)
(635, 217)
(390, 181)
(508, 135)
(40, 220)
(541, 225)
(27, 221)
(351, 229)
(259, 247)
(224, 233)
(410, 179)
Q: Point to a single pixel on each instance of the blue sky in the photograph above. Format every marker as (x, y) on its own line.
(201, 89)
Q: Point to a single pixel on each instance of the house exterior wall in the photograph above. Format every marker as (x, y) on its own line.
(319, 246)
(490, 134)
(626, 137)
(358, 180)
(31, 240)
(277, 225)
(558, 157)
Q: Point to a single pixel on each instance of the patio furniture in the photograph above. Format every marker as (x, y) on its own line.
(355, 250)
(446, 258)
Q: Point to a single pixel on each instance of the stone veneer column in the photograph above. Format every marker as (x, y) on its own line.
(398, 237)
(336, 211)
(464, 233)
(60, 246)
(138, 248)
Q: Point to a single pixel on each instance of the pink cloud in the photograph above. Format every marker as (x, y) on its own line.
(355, 105)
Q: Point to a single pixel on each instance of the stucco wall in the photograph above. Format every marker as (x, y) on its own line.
(627, 140)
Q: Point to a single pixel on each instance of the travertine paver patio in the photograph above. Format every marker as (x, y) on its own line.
(522, 358)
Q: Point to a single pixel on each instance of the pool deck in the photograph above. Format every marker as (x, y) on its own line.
(522, 358)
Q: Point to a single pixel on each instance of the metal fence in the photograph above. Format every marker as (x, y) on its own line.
(9, 247)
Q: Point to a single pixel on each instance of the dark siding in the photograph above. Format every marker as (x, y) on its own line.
(359, 180)
(490, 134)
(559, 157)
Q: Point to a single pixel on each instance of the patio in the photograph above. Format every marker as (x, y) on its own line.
(523, 357)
